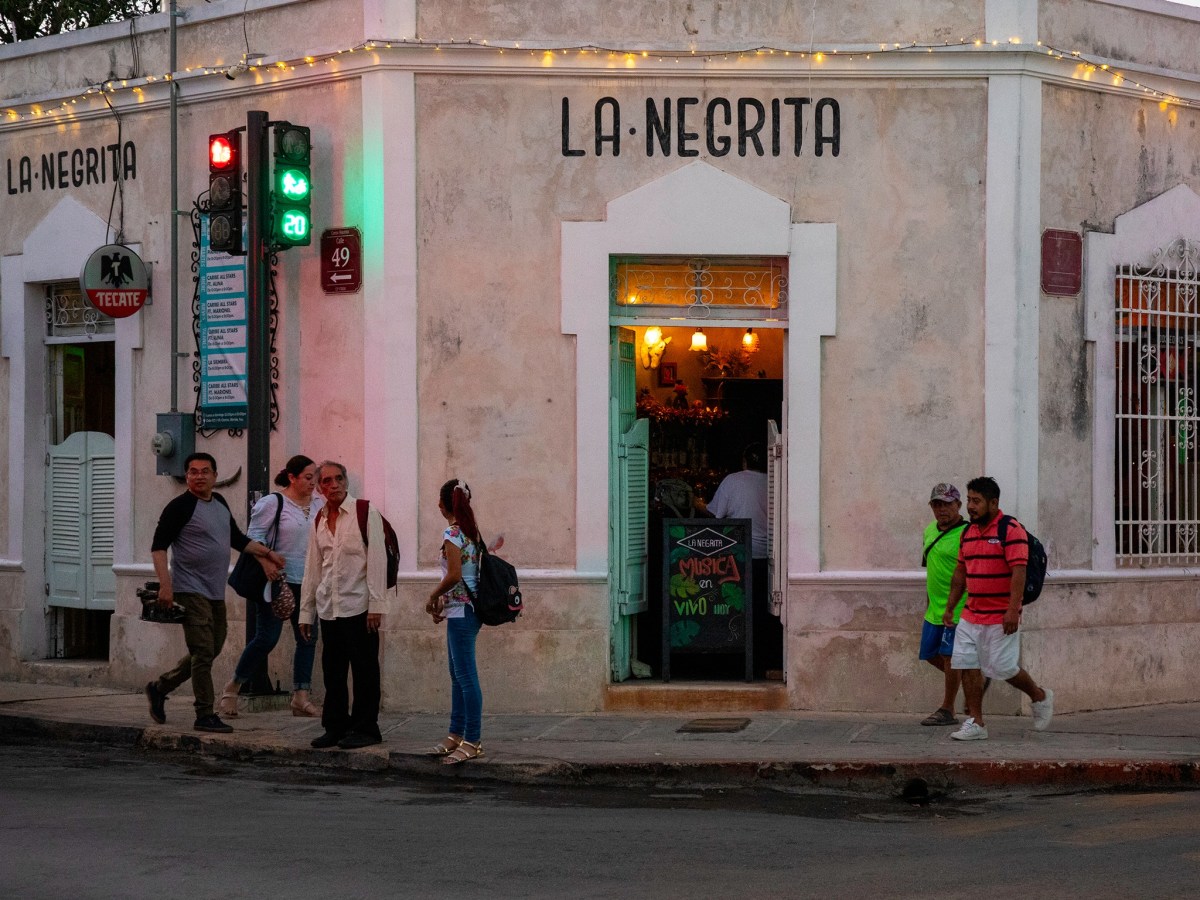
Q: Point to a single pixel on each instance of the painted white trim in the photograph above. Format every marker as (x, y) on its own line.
(698, 209)
(1136, 236)
(1012, 292)
(812, 284)
(389, 304)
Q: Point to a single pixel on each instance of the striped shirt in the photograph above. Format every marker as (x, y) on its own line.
(989, 568)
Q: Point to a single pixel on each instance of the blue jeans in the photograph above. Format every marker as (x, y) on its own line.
(466, 697)
(266, 635)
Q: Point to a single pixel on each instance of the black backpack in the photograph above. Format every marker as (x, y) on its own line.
(497, 598)
(391, 546)
(1035, 571)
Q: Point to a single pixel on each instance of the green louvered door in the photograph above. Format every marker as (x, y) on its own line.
(628, 503)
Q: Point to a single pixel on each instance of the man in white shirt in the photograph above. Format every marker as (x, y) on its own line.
(345, 578)
(743, 495)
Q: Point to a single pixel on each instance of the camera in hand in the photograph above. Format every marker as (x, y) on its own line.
(152, 612)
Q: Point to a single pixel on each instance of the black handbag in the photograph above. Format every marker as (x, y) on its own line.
(248, 578)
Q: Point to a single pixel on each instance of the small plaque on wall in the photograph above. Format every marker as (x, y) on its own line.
(1062, 262)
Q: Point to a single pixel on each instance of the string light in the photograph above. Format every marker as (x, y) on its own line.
(1087, 66)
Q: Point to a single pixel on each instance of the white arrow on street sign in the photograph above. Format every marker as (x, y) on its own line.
(341, 276)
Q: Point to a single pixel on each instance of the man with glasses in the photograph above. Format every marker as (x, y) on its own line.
(199, 530)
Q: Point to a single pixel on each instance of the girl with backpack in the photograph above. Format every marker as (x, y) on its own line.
(451, 603)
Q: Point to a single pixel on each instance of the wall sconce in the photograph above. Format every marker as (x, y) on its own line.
(750, 341)
(699, 341)
(653, 345)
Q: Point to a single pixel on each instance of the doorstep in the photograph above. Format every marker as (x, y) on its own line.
(695, 696)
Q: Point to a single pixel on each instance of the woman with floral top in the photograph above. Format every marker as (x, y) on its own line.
(451, 602)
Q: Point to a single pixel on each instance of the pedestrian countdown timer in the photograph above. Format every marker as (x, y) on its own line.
(291, 192)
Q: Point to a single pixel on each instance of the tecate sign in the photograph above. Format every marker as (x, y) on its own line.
(115, 281)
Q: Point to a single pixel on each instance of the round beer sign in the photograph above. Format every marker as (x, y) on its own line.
(115, 281)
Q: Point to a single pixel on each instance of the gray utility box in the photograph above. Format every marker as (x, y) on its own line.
(174, 442)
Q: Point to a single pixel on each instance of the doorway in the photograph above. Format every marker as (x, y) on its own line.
(80, 477)
(692, 407)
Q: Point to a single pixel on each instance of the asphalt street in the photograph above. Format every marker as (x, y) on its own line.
(93, 822)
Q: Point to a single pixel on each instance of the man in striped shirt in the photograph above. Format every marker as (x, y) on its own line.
(988, 641)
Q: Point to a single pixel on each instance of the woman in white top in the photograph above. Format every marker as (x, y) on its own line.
(299, 508)
(451, 602)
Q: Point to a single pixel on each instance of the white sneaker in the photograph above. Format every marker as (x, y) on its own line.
(1043, 711)
(971, 732)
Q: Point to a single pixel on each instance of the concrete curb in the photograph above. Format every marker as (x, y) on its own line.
(889, 777)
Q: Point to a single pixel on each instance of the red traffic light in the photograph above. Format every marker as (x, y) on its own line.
(220, 152)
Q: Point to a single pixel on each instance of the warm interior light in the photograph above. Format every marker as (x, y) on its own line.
(750, 340)
(652, 336)
(699, 341)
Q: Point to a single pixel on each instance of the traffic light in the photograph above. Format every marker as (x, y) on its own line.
(291, 187)
(225, 192)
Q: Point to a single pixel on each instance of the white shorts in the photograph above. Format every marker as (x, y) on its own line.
(987, 648)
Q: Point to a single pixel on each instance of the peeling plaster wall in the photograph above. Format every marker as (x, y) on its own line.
(213, 35)
(852, 649)
(1165, 36)
(784, 21)
(1101, 156)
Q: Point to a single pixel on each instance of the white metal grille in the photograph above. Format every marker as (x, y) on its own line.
(69, 313)
(1157, 369)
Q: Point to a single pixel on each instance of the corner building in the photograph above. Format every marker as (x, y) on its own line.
(923, 241)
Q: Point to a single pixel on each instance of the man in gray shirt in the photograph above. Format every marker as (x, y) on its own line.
(199, 529)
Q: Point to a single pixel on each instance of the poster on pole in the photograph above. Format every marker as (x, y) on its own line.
(707, 589)
(223, 337)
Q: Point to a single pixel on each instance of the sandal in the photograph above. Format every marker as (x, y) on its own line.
(228, 704)
(445, 746)
(941, 716)
(305, 708)
(464, 751)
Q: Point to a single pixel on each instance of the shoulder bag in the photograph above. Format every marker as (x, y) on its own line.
(248, 578)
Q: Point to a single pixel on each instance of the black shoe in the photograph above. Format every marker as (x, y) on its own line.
(328, 739)
(213, 723)
(157, 698)
(357, 739)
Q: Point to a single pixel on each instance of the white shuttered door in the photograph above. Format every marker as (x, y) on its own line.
(80, 511)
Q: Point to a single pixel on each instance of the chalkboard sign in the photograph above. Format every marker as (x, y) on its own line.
(707, 589)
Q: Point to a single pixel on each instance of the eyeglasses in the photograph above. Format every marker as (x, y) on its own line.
(333, 479)
(196, 473)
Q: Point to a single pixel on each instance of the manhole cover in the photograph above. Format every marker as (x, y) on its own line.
(714, 726)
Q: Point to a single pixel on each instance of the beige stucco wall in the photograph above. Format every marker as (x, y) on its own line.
(901, 381)
(1166, 39)
(210, 35)
(1101, 156)
(702, 21)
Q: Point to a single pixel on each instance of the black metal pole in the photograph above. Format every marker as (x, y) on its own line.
(258, 362)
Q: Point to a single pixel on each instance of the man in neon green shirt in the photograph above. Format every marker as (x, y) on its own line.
(940, 557)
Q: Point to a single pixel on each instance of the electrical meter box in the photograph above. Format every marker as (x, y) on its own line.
(174, 442)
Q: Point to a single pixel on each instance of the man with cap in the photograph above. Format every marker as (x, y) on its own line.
(939, 556)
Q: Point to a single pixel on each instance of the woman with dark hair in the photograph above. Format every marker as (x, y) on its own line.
(296, 507)
(450, 602)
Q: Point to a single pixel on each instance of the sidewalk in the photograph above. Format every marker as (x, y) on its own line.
(1141, 747)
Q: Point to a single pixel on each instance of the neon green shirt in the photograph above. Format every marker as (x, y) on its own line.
(939, 569)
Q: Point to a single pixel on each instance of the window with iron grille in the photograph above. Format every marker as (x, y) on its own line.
(70, 314)
(714, 287)
(1157, 368)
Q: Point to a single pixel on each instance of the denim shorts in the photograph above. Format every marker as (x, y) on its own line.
(936, 640)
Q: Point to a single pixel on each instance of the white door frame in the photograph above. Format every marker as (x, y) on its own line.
(55, 250)
(703, 211)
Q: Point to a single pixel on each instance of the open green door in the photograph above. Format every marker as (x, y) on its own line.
(629, 466)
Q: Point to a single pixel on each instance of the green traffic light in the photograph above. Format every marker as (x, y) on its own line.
(293, 184)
